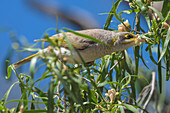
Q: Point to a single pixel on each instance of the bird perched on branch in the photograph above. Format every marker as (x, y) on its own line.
(89, 49)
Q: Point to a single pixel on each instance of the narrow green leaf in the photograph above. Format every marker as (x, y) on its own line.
(24, 97)
(117, 4)
(127, 82)
(131, 108)
(136, 59)
(151, 56)
(143, 60)
(109, 18)
(41, 94)
(106, 82)
(165, 7)
(165, 46)
(129, 64)
(35, 111)
(105, 70)
(25, 100)
(69, 43)
(111, 13)
(147, 19)
(168, 67)
(50, 106)
(121, 107)
(159, 70)
(128, 11)
(32, 104)
(5, 97)
(157, 12)
(142, 57)
(49, 40)
(32, 65)
(143, 9)
(85, 36)
(9, 70)
(130, 70)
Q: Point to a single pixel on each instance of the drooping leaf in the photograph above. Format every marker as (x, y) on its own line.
(166, 44)
(157, 12)
(143, 9)
(131, 108)
(85, 36)
(5, 97)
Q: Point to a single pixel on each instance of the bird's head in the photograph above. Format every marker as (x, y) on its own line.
(126, 40)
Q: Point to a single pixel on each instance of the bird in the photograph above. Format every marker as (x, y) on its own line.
(88, 49)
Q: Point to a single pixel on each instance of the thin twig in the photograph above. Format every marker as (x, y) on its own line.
(136, 23)
(132, 29)
(144, 93)
(83, 78)
(113, 67)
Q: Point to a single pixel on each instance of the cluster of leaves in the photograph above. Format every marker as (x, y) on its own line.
(107, 86)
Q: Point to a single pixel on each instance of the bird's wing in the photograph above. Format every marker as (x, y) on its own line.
(77, 41)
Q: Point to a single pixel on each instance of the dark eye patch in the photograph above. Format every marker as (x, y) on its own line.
(129, 36)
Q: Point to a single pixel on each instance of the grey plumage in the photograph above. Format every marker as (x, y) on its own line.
(88, 49)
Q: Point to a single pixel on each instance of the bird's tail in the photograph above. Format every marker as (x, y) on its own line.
(25, 60)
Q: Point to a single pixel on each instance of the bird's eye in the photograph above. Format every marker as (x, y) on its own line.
(128, 36)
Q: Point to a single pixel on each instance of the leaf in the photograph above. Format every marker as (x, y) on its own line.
(7, 93)
(143, 9)
(9, 70)
(111, 13)
(35, 111)
(157, 12)
(129, 64)
(168, 67)
(159, 71)
(142, 57)
(50, 105)
(85, 36)
(131, 108)
(25, 101)
(128, 11)
(121, 107)
(165, 45)
(32, 65)
(151, 56)
(147, 19)
(24, 96)
(136, 51)
(69, 43)
(106, 82)
(165, 7)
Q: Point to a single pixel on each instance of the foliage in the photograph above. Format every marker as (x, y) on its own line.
(108, 85)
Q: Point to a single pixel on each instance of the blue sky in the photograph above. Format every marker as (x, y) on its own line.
(28, 23)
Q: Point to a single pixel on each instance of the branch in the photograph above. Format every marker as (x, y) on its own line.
(151, 92)
(113, 67)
